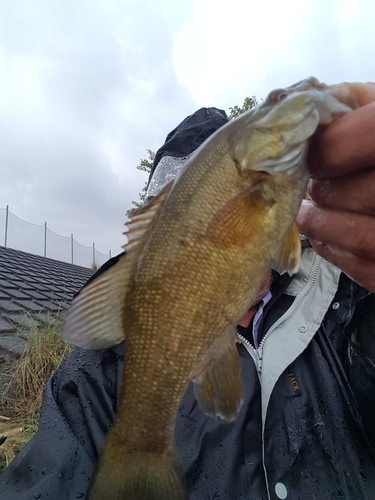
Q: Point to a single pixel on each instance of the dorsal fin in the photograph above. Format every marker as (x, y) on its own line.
(95, 318)
(142, 221)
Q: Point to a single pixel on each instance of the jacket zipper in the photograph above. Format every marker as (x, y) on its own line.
(257, 353)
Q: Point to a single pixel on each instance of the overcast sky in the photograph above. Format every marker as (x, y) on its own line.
(87, 86)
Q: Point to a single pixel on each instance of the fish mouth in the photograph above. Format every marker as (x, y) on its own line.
(341, 91)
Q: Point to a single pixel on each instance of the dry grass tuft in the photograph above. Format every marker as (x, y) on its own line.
(21, 402)
(18, 435)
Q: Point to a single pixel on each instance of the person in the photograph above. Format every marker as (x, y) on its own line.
(307, 425)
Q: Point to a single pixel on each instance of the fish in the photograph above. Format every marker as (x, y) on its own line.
(194, 260)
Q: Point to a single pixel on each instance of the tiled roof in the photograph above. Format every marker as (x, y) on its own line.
(32, 287)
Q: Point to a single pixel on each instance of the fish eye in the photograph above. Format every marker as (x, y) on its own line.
(279, 95)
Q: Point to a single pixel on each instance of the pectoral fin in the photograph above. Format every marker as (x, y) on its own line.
(287, 256)
(231, 225)
(218, 388)
(95, 318)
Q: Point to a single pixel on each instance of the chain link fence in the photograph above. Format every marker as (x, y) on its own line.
(40, 240)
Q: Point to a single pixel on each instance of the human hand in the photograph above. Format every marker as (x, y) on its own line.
(339, 218)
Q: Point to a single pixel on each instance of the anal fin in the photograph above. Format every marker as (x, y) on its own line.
(218, 388)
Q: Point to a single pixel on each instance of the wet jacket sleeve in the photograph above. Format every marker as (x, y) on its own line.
(78, 409)
(362, 363)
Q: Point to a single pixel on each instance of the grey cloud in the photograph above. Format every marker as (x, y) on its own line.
(106, 75)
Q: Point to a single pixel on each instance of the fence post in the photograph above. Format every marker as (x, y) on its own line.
(110, 254)
(45, 239)
(93, 254)
(6, 225)
(71, 246)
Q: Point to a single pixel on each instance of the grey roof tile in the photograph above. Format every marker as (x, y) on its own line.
(5, 326)
(17, 294)
(25, 320)
(12, 343)
(5, 283)
(30, 306)
(52, 306)
(32, 286)
(48, 295)
(32, 293)
(10, 306)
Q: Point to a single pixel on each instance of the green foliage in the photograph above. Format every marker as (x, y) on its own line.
(249, 103)
(146, 166)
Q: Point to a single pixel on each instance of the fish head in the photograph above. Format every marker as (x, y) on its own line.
(282, 125)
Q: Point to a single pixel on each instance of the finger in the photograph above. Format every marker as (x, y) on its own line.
(354, 192)
(352, 232)
(359, 269)
(345, 146)
(354, 94)
(365, 92)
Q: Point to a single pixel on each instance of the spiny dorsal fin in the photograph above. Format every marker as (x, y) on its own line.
(95, 318)
(287, 256)
(143, 220)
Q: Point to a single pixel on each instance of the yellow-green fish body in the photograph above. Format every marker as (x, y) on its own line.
(195, 260)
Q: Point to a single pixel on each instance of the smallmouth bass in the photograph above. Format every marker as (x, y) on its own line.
(195, 259)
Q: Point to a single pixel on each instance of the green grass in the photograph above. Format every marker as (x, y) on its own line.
(20, 405)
